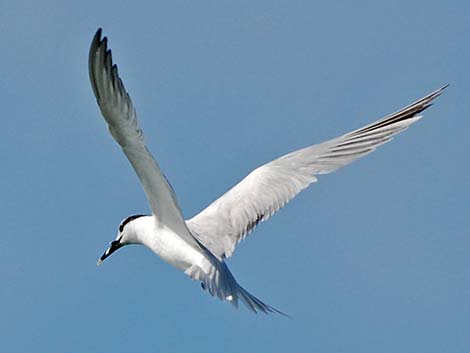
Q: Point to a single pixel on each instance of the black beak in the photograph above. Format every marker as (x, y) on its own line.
(112, 248)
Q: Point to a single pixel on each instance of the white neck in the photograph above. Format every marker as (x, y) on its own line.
(163, 241)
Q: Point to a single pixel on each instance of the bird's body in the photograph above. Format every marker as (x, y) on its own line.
(200, 245)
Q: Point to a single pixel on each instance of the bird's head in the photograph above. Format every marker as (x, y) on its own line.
(124, 237)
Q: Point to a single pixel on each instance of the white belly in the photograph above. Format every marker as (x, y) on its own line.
(174, 250)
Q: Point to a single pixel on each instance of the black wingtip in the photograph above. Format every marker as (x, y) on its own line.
(97, 37)
(97, 40)
(439, 91)
(96, 43)
(410, 111)
(104, 42)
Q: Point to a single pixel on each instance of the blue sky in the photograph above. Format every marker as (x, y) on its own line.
(372, 258)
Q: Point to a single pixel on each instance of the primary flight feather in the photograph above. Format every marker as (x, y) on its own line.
(200, 245)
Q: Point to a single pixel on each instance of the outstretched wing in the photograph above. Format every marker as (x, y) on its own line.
(118, 111)
(266, 189)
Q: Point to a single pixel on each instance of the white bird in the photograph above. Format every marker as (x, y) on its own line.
(200, 245)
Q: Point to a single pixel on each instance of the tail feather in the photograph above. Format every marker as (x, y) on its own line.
(254, 304)
(217, 279)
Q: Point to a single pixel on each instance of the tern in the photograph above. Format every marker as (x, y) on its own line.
(199, 246)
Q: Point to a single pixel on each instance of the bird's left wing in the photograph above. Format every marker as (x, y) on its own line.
(118, 111)
(265, 190)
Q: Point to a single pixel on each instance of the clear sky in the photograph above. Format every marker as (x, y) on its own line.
(373, 258)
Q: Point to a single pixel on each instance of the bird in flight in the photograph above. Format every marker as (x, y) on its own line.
(199, 246)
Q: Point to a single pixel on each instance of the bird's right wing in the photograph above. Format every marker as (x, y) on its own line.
(118, 111)
(265, 190)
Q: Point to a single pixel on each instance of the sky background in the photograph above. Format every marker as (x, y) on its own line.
(373, 258)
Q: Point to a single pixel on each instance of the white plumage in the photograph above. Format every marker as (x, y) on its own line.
(200, 245)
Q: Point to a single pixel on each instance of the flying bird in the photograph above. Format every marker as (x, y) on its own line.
(199, 246)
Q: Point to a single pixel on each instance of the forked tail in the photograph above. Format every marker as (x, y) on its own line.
(217, 279)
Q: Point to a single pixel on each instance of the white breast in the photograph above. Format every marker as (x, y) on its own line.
(164, 242)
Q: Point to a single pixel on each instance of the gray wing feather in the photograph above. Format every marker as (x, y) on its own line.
(118, 111)
(228, 220)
